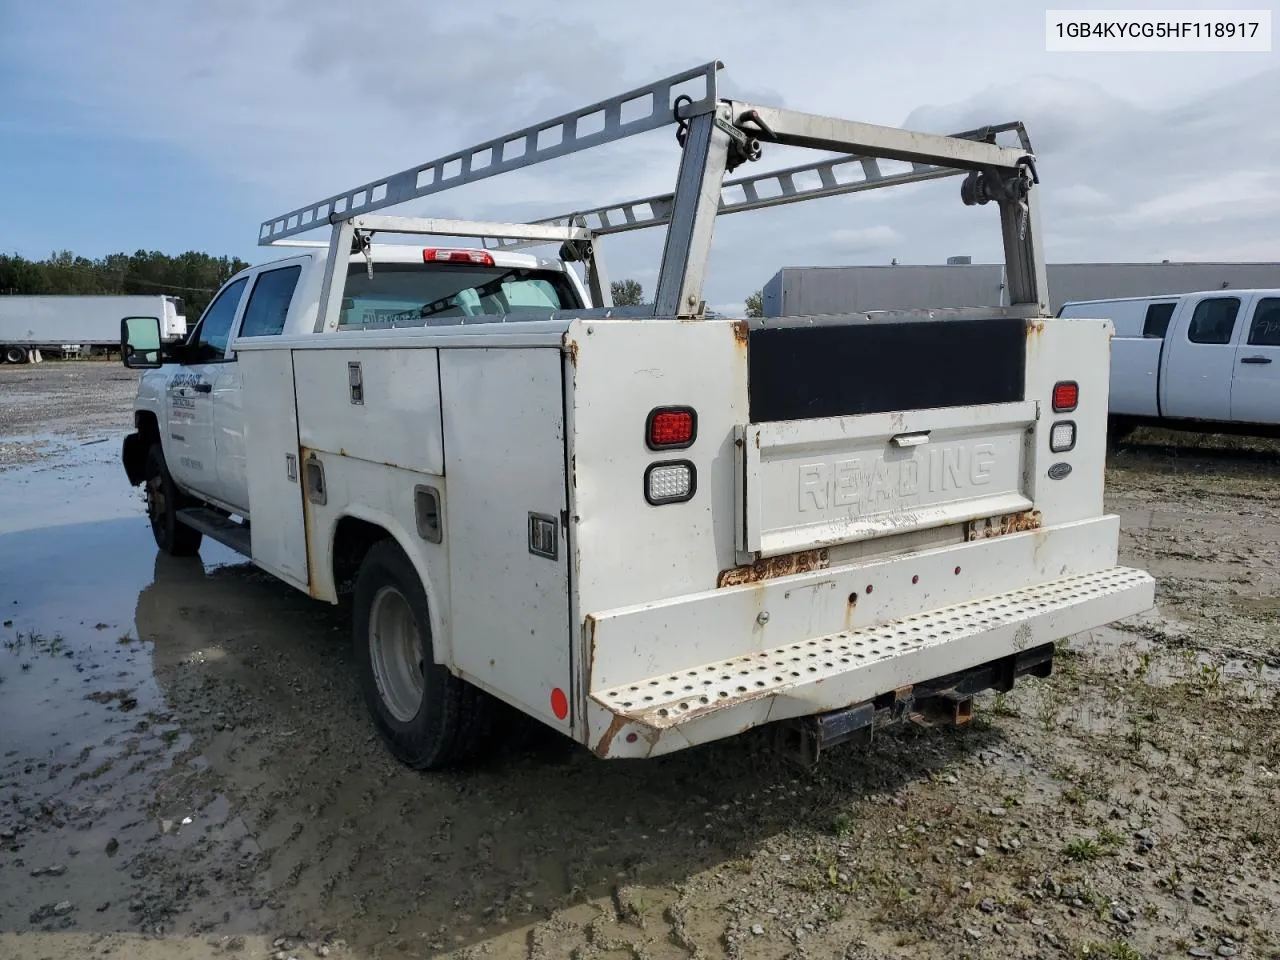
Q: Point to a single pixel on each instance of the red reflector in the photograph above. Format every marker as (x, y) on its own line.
(1065, 396)
(437, 255)
(671, 427)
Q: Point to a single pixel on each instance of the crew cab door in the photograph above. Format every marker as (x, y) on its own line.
(264, 316)
(1255, 391)
(188, 437)
(1200, 360)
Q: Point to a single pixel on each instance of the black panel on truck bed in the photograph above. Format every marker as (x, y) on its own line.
(806, 369)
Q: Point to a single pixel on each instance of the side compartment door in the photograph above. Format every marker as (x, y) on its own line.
(1255, 393)
(189, 449)
(264, 316)
(274, 478)
(504, 445)
(1200, 359)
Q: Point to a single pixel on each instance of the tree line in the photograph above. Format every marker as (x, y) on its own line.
(629, 293)
(193, 276)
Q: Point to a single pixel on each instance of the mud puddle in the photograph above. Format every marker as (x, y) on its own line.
(215, 777)
(88, 738)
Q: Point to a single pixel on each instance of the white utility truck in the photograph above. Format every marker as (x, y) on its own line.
(73, 324)
(1205, 361)
(646, 527)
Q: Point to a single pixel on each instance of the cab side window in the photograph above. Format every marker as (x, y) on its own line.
(269, 302)
(1265, 331)
(1214, 320)
(210, 344)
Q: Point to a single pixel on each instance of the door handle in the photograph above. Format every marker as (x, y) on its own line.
(904, 440)
(1255, 359)
(202, 387)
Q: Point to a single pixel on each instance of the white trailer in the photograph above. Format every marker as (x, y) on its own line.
(72, 324)
(645, 527)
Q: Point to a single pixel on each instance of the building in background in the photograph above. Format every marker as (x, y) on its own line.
(808, 291)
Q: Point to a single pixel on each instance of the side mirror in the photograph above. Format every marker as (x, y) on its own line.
(140, 342)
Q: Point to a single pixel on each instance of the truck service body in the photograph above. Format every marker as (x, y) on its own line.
(646, 527)
(1204, 360)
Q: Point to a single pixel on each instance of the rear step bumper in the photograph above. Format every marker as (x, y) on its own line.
(662, 714)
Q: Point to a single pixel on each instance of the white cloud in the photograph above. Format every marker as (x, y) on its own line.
(855, 240)
(1213, 200)
(297, 99)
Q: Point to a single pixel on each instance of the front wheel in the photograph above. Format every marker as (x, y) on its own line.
(164, 500)
(428, 717)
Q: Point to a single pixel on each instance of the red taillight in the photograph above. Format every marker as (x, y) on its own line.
(1066, 395)
(436, 255)
(671, 428)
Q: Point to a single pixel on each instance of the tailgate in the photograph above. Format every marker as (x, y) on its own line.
(861, 428)
(814, 483)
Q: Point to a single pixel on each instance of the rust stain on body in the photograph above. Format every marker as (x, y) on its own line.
(590, 623)
(1003, 525)
(805, 562)
(1034, 328)
(741, 332)
(313, 588)
(606, 741)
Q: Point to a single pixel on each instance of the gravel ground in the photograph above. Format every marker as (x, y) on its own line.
(186, 769)
(45, 406)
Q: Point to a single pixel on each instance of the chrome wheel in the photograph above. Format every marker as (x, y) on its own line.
(395, 649)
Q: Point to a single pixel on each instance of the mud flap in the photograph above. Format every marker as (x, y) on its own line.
(133, 454)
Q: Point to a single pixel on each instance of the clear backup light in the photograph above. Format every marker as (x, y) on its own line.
(672, 482)
(1062, 437)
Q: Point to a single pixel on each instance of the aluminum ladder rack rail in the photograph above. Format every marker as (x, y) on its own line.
(836, 176)
(557, 137)
(715, 136)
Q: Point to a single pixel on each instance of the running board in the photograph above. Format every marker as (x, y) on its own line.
(226, 531)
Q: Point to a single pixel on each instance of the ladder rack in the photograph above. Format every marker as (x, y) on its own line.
(561, 136)
(834, 177)
(715, 136)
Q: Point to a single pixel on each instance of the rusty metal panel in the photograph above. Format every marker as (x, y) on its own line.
(771, 568)
(989, 527)
(659, 714)
(681, 632)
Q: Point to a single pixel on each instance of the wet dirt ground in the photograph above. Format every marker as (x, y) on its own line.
(186, 769)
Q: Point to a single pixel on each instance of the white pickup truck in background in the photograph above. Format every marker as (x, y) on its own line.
(1205, 361)
(646, 527)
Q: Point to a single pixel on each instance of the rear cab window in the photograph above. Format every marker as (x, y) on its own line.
(1156, 324)
(444, 292)
(268, 305)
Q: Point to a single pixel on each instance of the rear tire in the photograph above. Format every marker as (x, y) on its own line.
(428, 717)
(164, 500)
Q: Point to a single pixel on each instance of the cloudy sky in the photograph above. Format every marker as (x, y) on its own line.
(184, 124)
